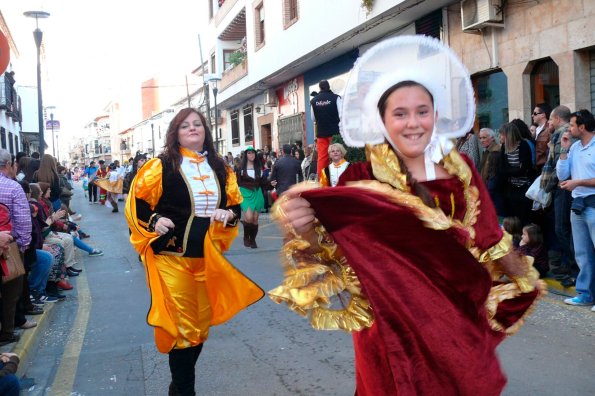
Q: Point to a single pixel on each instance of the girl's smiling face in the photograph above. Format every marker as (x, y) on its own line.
(409, 119)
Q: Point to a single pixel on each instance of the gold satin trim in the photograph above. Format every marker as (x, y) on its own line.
(320, 285)
(313, 275)
(497, 251)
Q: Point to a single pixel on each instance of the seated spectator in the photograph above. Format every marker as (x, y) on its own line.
(66, 190)
(531, 244)
(9, 383)
(513, 226)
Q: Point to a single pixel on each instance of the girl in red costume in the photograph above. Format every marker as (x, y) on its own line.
(406, 251)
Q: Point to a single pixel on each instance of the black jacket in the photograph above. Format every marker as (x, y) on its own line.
(287, 172)
(324, 106)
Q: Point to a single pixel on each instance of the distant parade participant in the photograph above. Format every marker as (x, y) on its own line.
(325, 111)
(250, 179)
(112, 185)
(102, 173)
(330, 176)
(182, 210)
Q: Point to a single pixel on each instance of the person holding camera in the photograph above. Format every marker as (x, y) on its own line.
(576, 171)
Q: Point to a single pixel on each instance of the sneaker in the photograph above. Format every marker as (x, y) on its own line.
(96, 252)
(76, 217)
(82, 235)
(55, 294)
(70, 272)
(48, 299)
(29, 324)
(36, 310)
(578, 300)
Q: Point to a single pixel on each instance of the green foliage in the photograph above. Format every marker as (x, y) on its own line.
(237, 57)
(354, 154)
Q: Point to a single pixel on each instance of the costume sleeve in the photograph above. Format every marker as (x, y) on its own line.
(234, 197)
(147, 191)
(323, 180)
(487, 228)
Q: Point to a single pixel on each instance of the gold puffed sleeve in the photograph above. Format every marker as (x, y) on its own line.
(147, 182)
(234, 197)
(320, 284)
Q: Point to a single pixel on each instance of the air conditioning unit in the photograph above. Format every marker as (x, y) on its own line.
(476, 14)
(270, 97)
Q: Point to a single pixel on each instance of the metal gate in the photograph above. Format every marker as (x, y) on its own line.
(291, 129)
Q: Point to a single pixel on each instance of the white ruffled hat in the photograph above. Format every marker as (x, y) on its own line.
(422, 59)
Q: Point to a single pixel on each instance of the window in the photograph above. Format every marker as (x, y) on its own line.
(545, 84)
(259, 25)
(210, 8)
(10, 143)
(235, 128)
(3, 137)
(213, 64)
(226, 62)
(491, 91)
(290, 13)
(248, 124)
(16, 142)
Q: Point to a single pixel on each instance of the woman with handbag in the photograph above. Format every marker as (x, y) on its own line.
(182, 210)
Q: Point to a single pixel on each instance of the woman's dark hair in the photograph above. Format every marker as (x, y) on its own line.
(135, 162)
(388, 92)
(513, 226)
(418, 189)
(257, 163)
(534, 233)
(31, 169)
(23, 163)
(523, 129)
(513, 136)
(25, 185)
(171, 150)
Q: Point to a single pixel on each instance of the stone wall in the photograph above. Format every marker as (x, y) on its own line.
(560, 29)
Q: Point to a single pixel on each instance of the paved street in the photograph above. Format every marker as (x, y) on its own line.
(97, 341)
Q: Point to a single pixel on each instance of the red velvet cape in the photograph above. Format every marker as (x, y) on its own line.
(431, 334)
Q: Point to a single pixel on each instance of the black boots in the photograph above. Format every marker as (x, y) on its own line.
(253, 236)
(250, 231)
(182, 364)
(247, 231)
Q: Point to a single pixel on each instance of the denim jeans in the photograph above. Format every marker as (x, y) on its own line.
(9, 384)
(82, 245)
(57, 204)
(583, 233)
(40, 271)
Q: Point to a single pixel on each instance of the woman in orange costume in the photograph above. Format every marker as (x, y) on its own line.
(182, 210)
(406, 251)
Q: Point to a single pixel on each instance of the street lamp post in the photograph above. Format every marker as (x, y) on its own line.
(53, 140)
(38, 36)
(215, 91)
(152, 141)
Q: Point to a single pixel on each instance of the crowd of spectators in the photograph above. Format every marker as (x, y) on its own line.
(40, 224)
(536, 175)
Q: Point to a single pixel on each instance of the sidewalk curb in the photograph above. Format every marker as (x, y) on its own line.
(29, 336)
(555, 287)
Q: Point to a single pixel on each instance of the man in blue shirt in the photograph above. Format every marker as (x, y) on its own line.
(576, 170)
(91, 171)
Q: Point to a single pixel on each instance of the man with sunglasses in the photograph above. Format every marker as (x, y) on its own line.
(541, 115)
(576, 170)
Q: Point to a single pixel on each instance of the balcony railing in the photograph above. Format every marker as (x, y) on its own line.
(234, 74)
